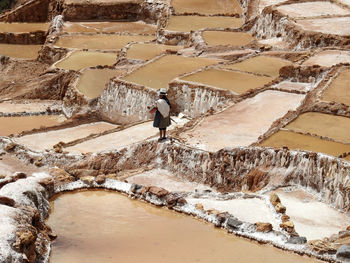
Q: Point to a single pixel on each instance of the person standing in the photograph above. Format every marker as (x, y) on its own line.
(162, 116)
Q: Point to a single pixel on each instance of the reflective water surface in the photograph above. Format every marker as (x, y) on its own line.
(100, 226)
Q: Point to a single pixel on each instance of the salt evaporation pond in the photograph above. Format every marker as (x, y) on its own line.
(216, 38)
(297, 141)
(265, 65)
(20, 51)
(338, 90)
(23, 27)
(14, 125)
(188, 23)
(212, 7)
(103, 42)
(148, 51)
(100, 226)
(328, 58)
(109, 27)
(238, 82)
(331, 25)
(93, 81)
(84, 59)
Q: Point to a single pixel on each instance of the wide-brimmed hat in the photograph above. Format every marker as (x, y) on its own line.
(162, 91)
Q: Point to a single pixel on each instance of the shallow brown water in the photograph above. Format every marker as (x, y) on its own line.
(111, 27)
(207, 7)
(14, 125)
(20, 51)
(262, 65)
(93, 81)
(239, 82)
(23, 27)
(188, 23)
(339, 90)
(325, 125)
(215, 38)
(104, 42)
(159, 73)
(84, 59)
(99, 226)
(148, 51)
(305, 142)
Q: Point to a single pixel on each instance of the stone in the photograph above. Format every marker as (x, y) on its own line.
(234, 223)
(288, 226)
(136, 188)
(213, 211)
(182, 201)
(172, 199)
(297, 240)
(348, 228)
(285, 218)
(87, 179)
(322, 246)
(280, 208)
(11, 146)
(84, 172)
(199, 206)
(61, 175)
(19, 175)
(24, 239)
(274, 199)
(7, 201)
(263, 227)
(48, 184)
(100, 179)
(158, 191)
(343, 253)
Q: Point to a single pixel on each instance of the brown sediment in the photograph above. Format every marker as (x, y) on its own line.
(338, 90)
(83, 59)
(145, 225)
(238, 82)
(215, 38)
(157, 74)
(149, 51)
(109, 27)
(297, 141)
(101, 42)
(93, 81)
(266, 65)
(192, 23)
(20, 51)
(213, 7)
(13, 125)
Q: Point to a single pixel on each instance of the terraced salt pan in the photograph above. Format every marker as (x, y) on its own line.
(293, 86)
(84, 59)
(243, 123)
(20, 51)
(159, 73)
(328, 58)
(23, 27)
(338, 90)
(238, 82)
(275, 42)
(102, 42)
(42, 141)
(209, 7)
(297, 141)
(14, 125)
(165, 179)
(149, 51)
(312, 9)
(110, 27)
(216, 38)
(333, 25)
(28, 106)
(265, 65)
(193, 23)
(325, 125)
(93, 81)
(311, 218)
(116, 140)
(113, 228)
(250, 210)
(10, 165)
(345, 2)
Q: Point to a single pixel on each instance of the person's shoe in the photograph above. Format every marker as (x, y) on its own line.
(160, 139)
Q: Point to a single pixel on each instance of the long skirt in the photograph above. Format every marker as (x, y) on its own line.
(161, 122)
